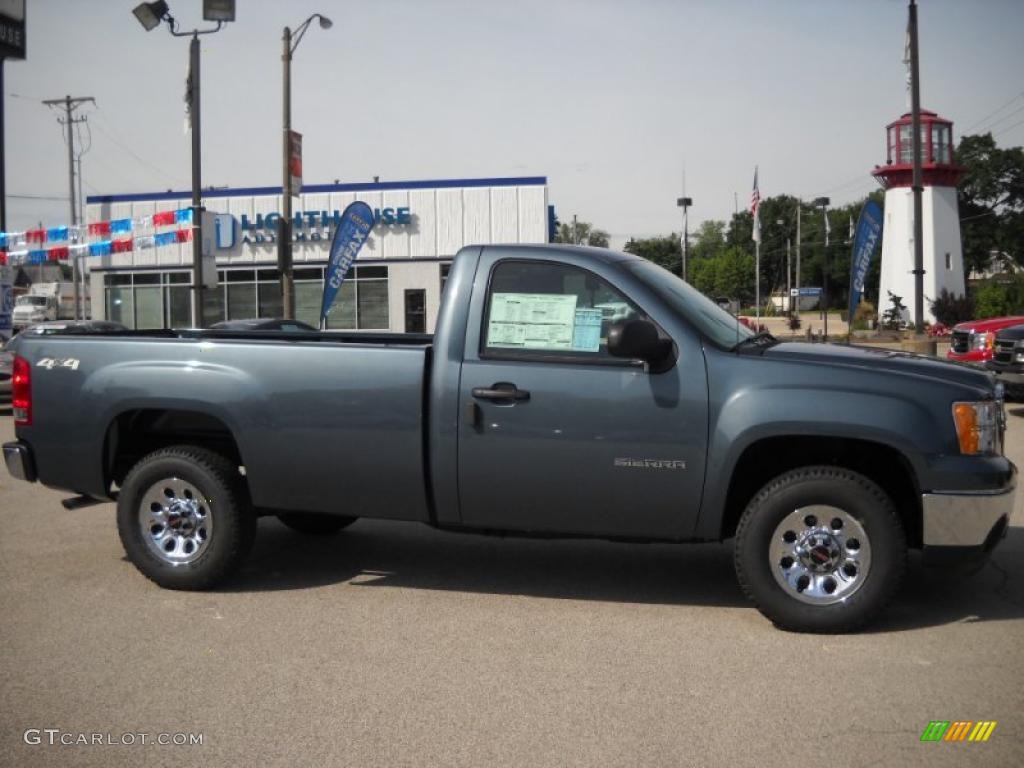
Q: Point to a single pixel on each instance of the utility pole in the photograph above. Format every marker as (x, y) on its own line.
(799, 211)
(70, 104)
(917, 183)
(575, 231)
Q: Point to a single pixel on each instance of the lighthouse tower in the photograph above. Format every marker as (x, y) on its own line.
(943, 256)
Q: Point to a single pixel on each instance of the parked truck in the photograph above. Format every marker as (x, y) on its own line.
(43, 302)
(974, 341)
(568, 391)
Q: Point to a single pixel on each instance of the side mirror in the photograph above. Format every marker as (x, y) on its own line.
(638, 339)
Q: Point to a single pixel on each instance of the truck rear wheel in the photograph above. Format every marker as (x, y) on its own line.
(314, 524)
(184, 517)
(820, 549)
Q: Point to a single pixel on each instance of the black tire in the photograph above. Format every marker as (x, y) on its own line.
(859, 500)
(315, 524)
(225, 499)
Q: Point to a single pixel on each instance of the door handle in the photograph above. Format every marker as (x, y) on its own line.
(503, 391)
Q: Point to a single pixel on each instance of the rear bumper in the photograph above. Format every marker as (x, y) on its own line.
(19, 461)
(960, 525)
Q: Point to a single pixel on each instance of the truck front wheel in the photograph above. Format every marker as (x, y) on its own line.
(820, 549)
(184, 517)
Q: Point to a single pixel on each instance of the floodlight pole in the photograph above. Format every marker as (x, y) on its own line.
(197, 184)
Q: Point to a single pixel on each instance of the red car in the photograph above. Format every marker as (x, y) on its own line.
(973, 341)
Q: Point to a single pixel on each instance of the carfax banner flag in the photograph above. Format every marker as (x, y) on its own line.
(349, 236)
(865, 240)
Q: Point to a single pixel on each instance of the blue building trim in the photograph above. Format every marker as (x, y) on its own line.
(502, 181)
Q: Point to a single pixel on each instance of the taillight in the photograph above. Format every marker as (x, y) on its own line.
(21, 392)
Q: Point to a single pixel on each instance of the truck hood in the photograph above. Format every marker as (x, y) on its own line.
(1013, 333)
(870, 358)
(991, 324)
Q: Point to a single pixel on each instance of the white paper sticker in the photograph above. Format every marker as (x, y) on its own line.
(532, 321)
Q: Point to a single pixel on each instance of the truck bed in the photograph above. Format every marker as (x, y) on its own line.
(323, 422)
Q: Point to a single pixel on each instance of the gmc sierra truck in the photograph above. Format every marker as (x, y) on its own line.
(567, 391)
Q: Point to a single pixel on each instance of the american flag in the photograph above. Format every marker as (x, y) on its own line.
(755, 205)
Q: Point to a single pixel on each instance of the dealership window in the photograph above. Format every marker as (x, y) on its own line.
(309, 289)
(148, 299)
(362, 302)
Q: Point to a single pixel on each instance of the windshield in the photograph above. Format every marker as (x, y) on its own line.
(719, 326)
(31, 301)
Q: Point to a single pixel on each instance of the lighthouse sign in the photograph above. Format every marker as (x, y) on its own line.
(869, 229)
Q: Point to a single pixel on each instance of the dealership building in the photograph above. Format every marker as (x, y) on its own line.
(395, 284)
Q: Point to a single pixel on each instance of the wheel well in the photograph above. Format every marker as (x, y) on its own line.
(134, 434)
(770, 457)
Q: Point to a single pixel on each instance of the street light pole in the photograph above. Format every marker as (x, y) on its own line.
(197, 185)
(684, 240)
(823, 203)
(284, 237)
(150, 14)
(285, 262)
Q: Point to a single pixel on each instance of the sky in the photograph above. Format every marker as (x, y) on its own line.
(615, 102)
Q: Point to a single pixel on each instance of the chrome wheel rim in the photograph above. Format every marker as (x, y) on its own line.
(820, 555)
(175, 521)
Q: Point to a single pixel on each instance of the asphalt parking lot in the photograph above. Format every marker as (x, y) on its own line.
(395, 645)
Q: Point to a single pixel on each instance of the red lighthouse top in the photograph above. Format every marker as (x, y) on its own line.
(937, 166)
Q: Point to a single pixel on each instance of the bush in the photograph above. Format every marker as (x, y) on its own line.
(950, 309)
(793, 321)
(991, 299)
(892, 318)
(863, 316)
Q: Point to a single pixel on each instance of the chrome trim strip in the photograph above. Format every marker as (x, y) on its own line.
(964, 519)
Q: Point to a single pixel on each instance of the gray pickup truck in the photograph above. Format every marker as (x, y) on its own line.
(567, 392)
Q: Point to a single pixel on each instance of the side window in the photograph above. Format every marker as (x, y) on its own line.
(549, 309)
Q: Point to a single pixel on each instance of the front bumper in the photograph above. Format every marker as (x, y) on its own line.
(18, 457)
(1008, 374)
(959, 525)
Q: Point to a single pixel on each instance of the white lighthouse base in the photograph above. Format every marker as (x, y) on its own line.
(943, 254)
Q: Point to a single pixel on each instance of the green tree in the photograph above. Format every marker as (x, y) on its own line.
(707, 241)
(584, 233)
(663, 251)
(991, 196)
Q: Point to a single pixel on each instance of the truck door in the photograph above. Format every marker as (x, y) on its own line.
(558, 435)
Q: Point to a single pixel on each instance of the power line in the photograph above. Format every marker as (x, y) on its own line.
(992, 114)
(37, 197)
(126, 148)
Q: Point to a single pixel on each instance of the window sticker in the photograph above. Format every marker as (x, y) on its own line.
(531, 321)
(586, 335)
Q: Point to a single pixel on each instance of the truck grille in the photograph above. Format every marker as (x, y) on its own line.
(1004, 351)
(960, 342)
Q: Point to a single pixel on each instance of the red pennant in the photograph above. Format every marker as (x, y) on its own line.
(121, 245)
(99, 228)
(183, 235)
(35, 236)
(164, 218)
(59, 253)
(3, 258)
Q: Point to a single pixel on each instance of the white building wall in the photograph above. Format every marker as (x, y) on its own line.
(941, 224)
(443, 220)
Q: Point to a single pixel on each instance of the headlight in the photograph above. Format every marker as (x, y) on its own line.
(982, 340)
(977, 427)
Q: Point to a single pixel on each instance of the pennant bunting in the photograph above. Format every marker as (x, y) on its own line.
(164, 218)
(143, 242)
(120, 226)
(102, 248)
(36, 236)
(99, 228)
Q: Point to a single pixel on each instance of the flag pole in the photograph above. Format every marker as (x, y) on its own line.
(757, 283)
